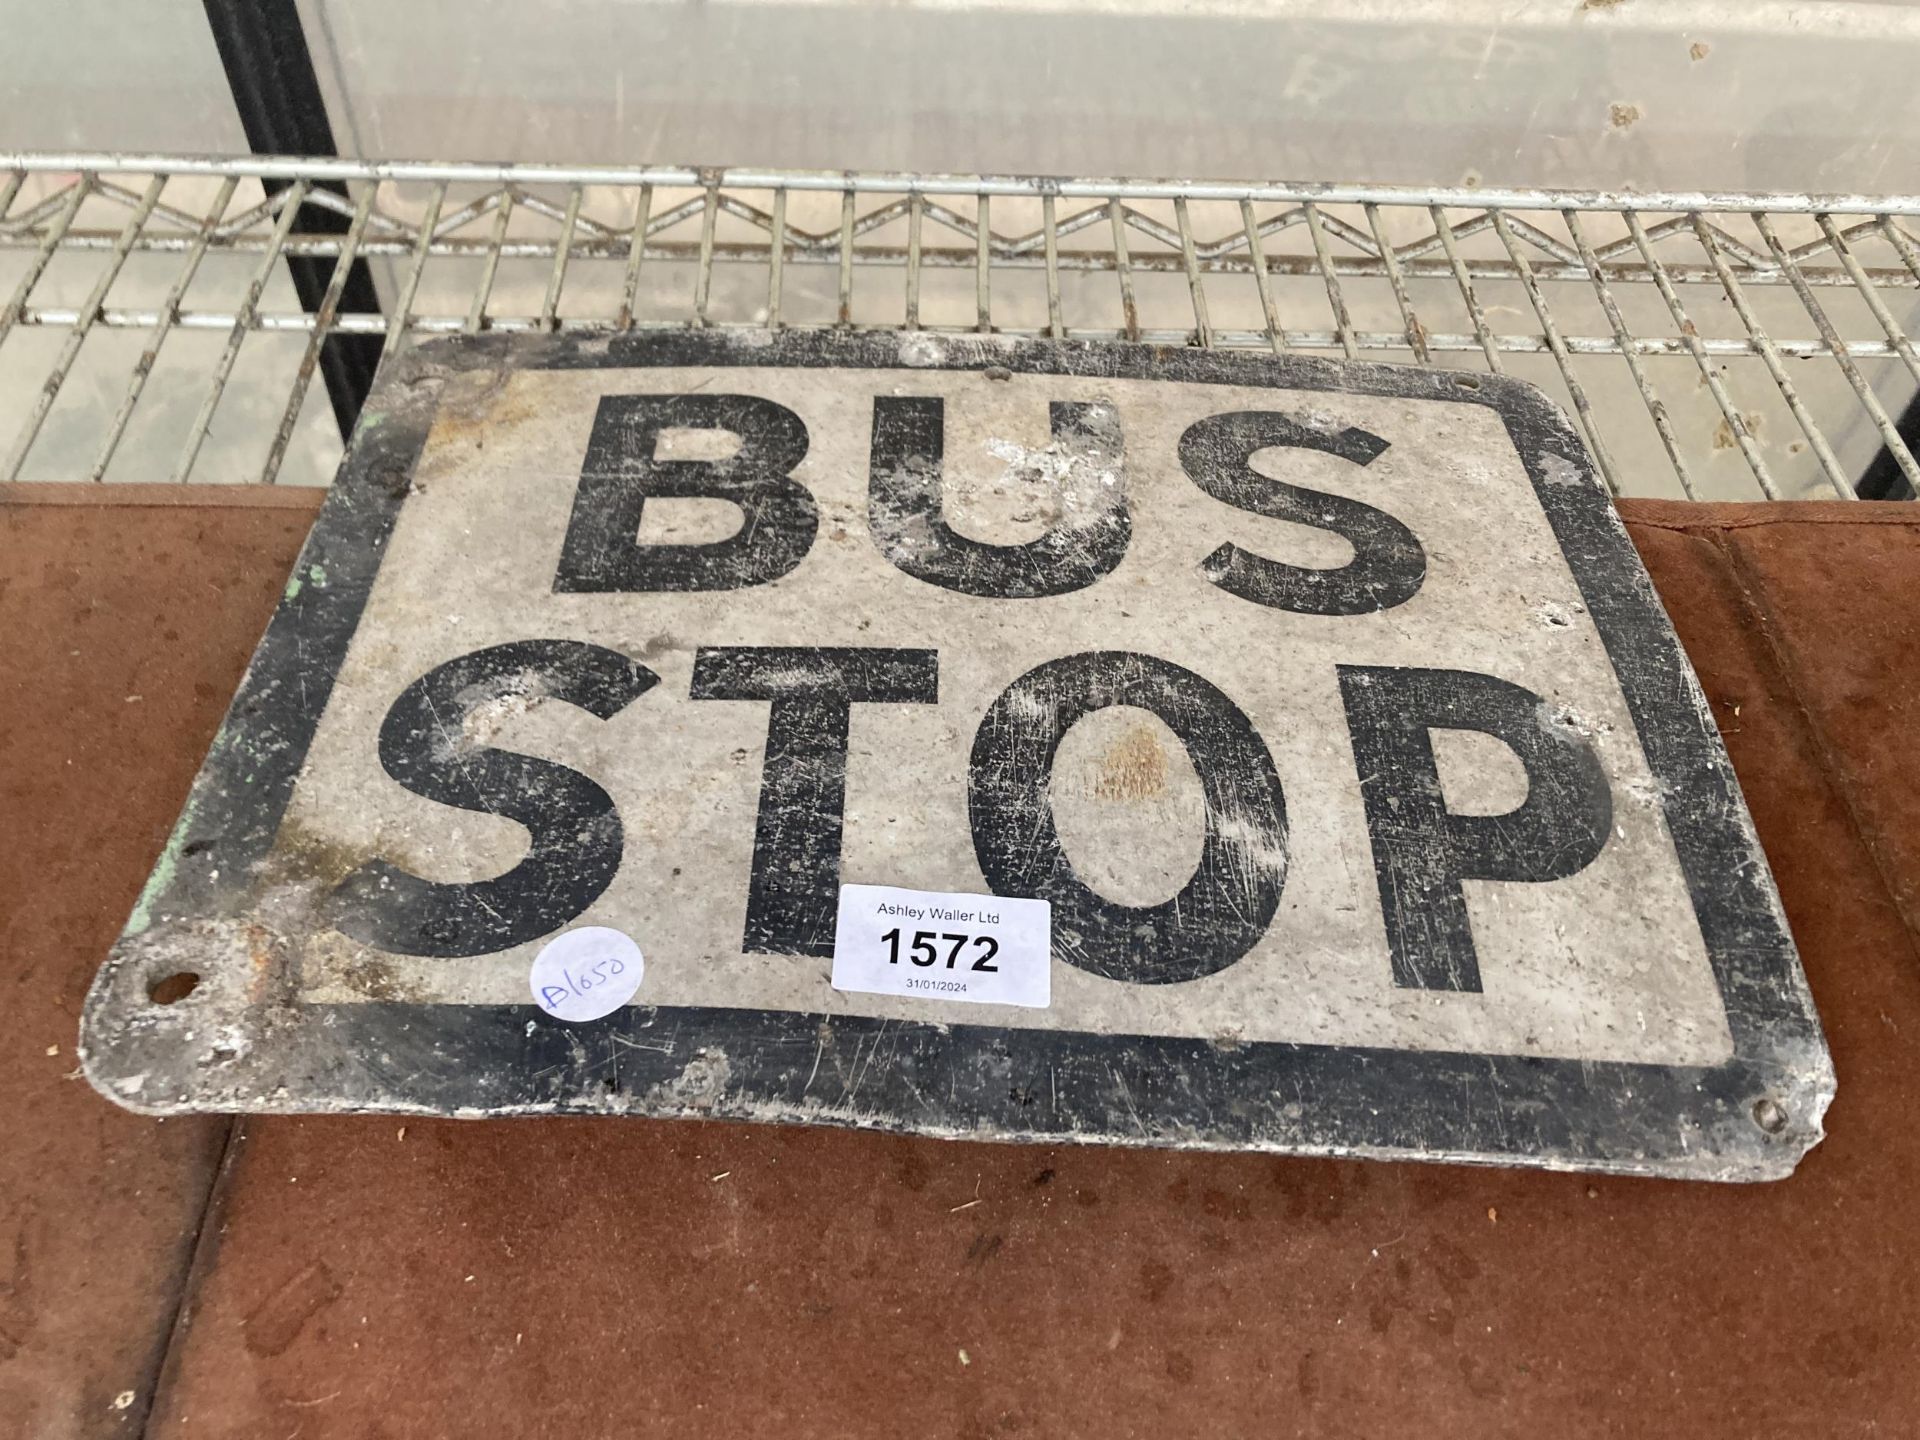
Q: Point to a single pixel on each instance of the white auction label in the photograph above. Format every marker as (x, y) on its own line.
(586, 973)
(934, 946)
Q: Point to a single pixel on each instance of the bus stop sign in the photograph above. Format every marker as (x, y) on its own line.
(1062, 742)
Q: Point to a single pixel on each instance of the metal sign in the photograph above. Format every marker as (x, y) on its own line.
(1326, 706)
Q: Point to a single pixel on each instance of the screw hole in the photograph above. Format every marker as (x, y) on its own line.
(1768, 1115)
(1466, 382)
(172, 989)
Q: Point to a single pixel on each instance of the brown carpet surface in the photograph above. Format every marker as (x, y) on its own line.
(585, 1278)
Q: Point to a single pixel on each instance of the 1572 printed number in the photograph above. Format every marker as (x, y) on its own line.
(922, 945)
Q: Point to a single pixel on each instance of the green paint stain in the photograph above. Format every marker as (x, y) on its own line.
(164, 870)
(296, 582)
(157, 885)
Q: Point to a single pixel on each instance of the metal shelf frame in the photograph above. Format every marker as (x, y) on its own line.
(1807, 297)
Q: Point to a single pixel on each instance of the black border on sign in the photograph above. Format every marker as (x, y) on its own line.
(959, 1079)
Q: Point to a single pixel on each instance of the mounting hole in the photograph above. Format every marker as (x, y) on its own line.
(172, 989)
(1466, 382)
(1768, 1115)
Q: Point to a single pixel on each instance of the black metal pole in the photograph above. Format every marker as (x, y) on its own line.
(270, 72)
(1882, 479)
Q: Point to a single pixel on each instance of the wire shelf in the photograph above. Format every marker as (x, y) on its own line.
(1710, 345)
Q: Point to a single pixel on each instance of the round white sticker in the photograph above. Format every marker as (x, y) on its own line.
(586, 973)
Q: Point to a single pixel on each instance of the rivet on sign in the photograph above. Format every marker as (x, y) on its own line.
(1768, 1115)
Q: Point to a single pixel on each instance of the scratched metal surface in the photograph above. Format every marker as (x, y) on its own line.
(1642, 1012)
